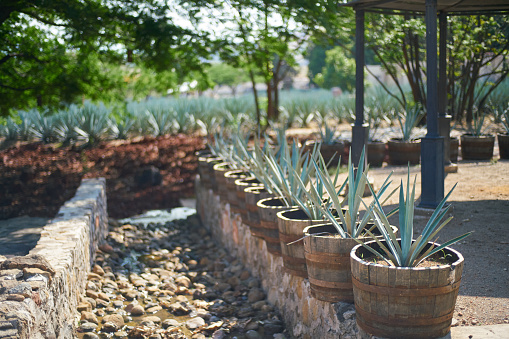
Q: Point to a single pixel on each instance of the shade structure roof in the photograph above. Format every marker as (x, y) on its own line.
(448, 6)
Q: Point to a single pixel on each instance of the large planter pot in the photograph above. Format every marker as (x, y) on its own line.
(220, 181)
(477, 147)
(267, 228)
(252, 196)
(454, 149)
(404, 152)
(291, 224)
(211, 162)
(328, 262)
(376, 153)
(240, 186)
(231, 196)
(405, 302)
(503, 145)
(332, 151)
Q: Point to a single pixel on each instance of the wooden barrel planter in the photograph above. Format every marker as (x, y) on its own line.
(203, 169)
(328, 262)
(404, 152)
(291, 224)
(503, 145)
(405, 302)
(477, 147)
(376, 153)
(211, 162)
(253, 195)
(454, 149)
(240, 186)
(267, 227)
(231, 195)
(219, 171)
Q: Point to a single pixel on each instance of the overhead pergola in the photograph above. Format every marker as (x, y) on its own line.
(435, 145)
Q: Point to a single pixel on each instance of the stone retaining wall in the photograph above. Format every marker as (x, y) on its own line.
(39, 293)
(305, 316)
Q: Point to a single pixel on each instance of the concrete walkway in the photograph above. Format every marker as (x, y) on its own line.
(19, 235)
(480, 332)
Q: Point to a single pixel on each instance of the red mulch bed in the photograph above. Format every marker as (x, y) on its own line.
(36, 179)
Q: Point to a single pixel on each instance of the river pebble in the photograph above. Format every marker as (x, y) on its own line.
(172, 281)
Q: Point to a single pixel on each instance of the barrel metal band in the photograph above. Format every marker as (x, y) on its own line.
(404, 291)
(402, 321)
(330, 284)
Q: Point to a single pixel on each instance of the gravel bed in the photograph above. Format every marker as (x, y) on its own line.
(172, 280)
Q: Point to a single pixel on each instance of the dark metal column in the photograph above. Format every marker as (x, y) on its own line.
(432, 156)
(444, 120)
(359, 129)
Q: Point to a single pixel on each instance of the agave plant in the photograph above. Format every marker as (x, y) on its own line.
(478, 119)
(10, 131)
(45, 128)
(92, 123)
(25, 128)
(65, 125)
(160, 120)
(409, 119)
(408, 252)
(121, 128)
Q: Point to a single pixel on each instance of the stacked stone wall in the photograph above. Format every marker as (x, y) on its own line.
(39, 293)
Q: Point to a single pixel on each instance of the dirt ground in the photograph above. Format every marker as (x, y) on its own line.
(480, 204)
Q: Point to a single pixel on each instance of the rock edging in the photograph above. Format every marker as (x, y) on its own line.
(39, 293)
(304, 315)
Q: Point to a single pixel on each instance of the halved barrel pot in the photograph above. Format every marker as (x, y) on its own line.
(291, 224)
(405, 302)
(219, 171)
(211, 162)
(376, 153)
(503, 145)
(267, 227)
(240, 186)
(477, 147)
(203, 168)
(231, 195)
(328, 262)
(404, 152)
(253, 195)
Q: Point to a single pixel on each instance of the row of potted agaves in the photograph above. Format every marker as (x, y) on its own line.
(475, 145)
(391, 300)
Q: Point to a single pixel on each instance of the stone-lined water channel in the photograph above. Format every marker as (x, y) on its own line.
(172, 280)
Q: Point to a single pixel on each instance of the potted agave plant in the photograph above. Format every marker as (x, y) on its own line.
(476, 145)
(327, 247)
(377, 149)
(406, 149)
(330, 144)
(283, 175)
(406, 288)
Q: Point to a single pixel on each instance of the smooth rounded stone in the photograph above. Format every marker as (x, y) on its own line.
(168, 286)
(170, 323)
(152, 289)
(89, 317)
(92, 302)
(90, 336)
(252, 325)
(130, 294)
(140, 283)
(279, 336)
(16, 297)
(255, 294)
(179, 308)
(259, 304)
(219, 334)
(229, 296)
(84, 306)
(92, 286)
(98, 270)
(87, 327)
(253, 282)
(244, 275)
(183, 281)
(116, 319)
(124, 284)
(267, 308)
(101, 303)
(233, 281)
(118, 303)
(110, 284)
(92, 294)
(192, 263)
(153, 319)
(147, 323)
(199, 286)
(137, 310)
(204, 261)
(103, 296)
(222, 286)
(202, 313)
(154, 309)
(252, 334)
(194, 323)
(110, 309)
(198, 336)
(245, 311)
(109, 327)
(120, 334)
(271, 327)
(100, 312)
(181, 298)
